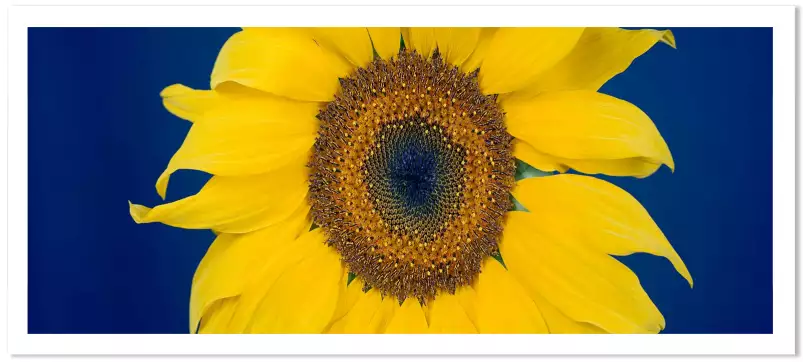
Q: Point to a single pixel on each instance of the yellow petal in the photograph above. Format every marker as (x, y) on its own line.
(386, 41)
(584, 284)
(637, 167)
(597, 214)
(480, 50)
(408, 319)
(304, 297)
(218, 247)
(585, 125)
(348, 296)
(371, 314)
(467, 298)
(559, 323)
(215, 251)
(217, 318)
(448, 316)
(502, 305)
(234, 204)
(535, 158)
(243, 132)
(282, 258)
(282, 61)
(231, 260)
(422, 40)
(353, 44)
(600, 54)
(192, 104)
(517, 56)
(187, 103)
(426, 309)
(336, 327)
(456, 44)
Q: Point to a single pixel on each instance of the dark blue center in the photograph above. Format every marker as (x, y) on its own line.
(413, 174)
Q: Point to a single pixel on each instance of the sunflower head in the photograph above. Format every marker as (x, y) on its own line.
(405, 158)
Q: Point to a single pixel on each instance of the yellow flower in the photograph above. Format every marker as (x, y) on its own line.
(363, 188)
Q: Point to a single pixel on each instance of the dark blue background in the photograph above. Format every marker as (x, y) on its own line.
(98, 136)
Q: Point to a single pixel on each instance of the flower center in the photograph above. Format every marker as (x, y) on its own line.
(411, 174)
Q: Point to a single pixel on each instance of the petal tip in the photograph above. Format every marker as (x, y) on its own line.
(137, 212)
(174, 90)
(669, 162)
(689, 279)
(681, 268)
(668, 38)
(161, 184)
(663, 155)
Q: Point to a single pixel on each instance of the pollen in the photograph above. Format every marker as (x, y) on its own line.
(425, 174)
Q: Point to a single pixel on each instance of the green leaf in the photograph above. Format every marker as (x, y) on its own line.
(350, 278)
(523, 171)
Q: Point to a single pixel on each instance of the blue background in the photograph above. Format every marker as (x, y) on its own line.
(98, 136)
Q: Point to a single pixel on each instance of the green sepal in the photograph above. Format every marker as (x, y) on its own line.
(523, 171)
(498, 257)
(517, 206)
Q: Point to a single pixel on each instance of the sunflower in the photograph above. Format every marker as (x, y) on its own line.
(380, 180)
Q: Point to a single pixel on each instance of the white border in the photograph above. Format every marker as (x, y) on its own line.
(781, 18)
